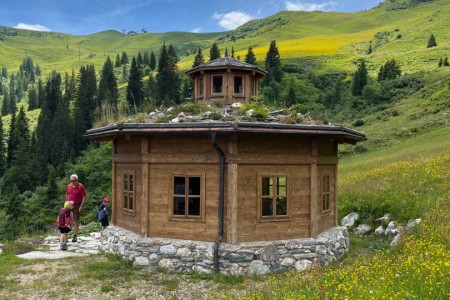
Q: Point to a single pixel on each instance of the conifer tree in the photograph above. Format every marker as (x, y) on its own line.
(124, 58)
(214, 52)
(226, 52)
(359, 79)
(70, 87)
(232, 52)
(369, 51)
(2, 149)
(198, 60)
(441, 62)
(32, 99)
(273, 64)
(431, 41)
(445, 63)
(146, 59)
(118, 61)
(41, 93)
(134, 88)
(5, 102)
(4, 72)
(152, 64)
(291, 97)
(167, 78)
(107, 88)
(15, 223)
(250, 57)
(390, 70)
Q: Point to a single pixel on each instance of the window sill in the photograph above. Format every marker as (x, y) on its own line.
(279, 219)
(326, 213)
(128, 211)
(190, 219)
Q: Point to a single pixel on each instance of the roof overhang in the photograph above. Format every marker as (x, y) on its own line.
(340, 133)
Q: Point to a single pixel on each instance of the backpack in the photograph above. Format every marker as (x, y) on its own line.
(100, 213)
(61, 220)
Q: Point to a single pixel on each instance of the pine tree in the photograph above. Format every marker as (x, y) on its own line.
(441, 62)
(369, 51)
(390, 70)
(226, 52)
(4, 72)
(139, 60)
(445, 63)
(214, 52)
(118, 61)
(291, 97)
(167, 77)
(250, 57)
(5, 102)
(15, 223)
(41, 93)
(198, 60)
(431, 41)
(124, 58)
(151, 90)
(107, 88)
(2, 149)
(152, 64)
(146, 59)
(359, 79)
(232, 52)
(32, 99)
(273, 64)
(134, 88)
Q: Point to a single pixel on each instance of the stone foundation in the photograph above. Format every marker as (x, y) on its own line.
(263, 257)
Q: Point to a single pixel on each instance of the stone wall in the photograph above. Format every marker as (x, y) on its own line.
(261, 258)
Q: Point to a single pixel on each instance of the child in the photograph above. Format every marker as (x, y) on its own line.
(103, 214)
(64, 224)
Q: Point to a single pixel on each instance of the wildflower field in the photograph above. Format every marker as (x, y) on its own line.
(417, 268)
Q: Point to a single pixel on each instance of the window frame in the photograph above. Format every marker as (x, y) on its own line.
(242, 85)
(325, 193)
(201, 87)
(186, 217)
(213, 92)
(129, 205)
(273, 217)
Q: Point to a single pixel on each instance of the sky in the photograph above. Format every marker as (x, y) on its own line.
(82, 17)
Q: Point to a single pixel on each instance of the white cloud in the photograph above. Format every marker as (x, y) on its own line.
(36, 27)
(233, 19)
(196, 30)
(300, 6)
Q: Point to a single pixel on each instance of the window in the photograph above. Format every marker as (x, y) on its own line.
(217, 84)
(325, 193)
(128, 191)
(201, 87)
(238, 84)
(187, 199)
(274, 194)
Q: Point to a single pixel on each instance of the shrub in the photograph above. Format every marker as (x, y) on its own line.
(358, 123)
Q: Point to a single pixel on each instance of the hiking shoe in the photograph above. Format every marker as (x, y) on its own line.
(64, 247)
(61, 247)
(74, 239)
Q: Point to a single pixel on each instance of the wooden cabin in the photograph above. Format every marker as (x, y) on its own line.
(226, 80)
(237, 182)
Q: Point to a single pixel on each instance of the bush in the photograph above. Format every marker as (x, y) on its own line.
(358, 123)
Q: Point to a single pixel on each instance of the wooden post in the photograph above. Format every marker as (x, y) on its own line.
(145, 191)
(314, 193)
(114, 186)
(335, 182)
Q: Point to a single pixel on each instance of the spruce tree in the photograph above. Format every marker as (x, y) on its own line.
(232, 52)
(146, 59)
(32, 99)
(167, 78)
(107, 88)
(431, 41)
(41, 93)
(118, 61)
(441, 62)
(124, 59)
(2, 149)
(198, 60)
(214, 52)
(226, 52)
(445, 63)
(134, 88)
(16, 220)
(273, 64)
(359, 79)
(250, 57)
(152, 64)
(139, 60)
(390, 70)
(5, 102)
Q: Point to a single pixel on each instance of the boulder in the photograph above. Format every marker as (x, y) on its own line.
(363, 229)
(379, 231)
(391, 230)
(349, 220)
(258, 267)
(412, 224)
(384, 219)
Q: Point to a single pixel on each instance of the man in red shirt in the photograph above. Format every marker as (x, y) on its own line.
(76, 193)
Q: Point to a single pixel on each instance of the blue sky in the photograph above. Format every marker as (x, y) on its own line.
(81, 17)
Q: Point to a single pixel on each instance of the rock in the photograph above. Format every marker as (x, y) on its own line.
(258, 267)
(236, 105)
(363, 229)
(181, 115)
(349, 220)
(269, 253)
(391, 229)
(141, 261)
(175, 120)
(168, 264)
(249, 112)
(412, 224)
(384, 219)
(379, 231)
(168, 250)
(287, 262)
(303, 265)
(397, 238)
(184, 252)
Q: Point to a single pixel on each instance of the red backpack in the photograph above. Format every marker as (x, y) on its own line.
(63, 219)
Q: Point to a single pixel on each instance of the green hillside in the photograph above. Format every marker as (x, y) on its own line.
(324, 41)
